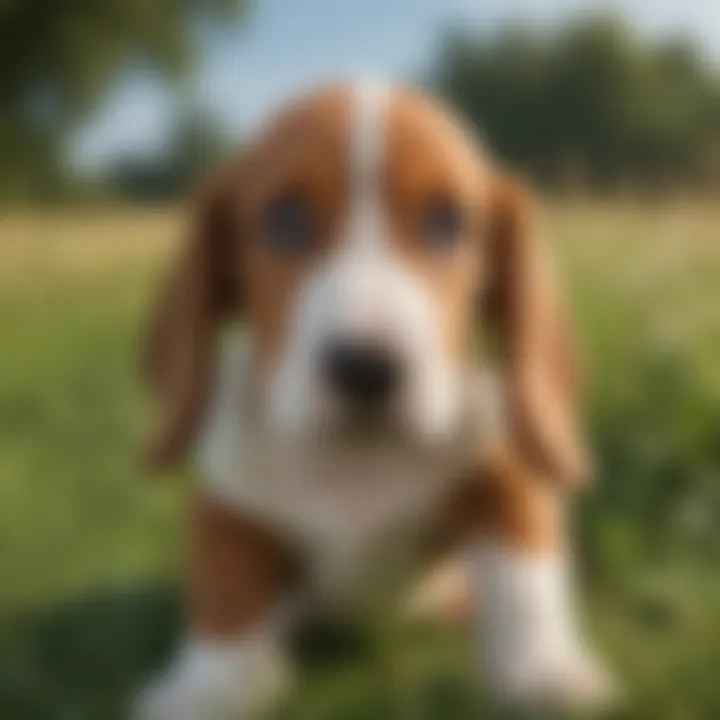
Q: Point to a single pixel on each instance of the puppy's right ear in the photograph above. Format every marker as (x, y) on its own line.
(202, 290)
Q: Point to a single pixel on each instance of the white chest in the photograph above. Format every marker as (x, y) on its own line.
(339, 506)
(347, 507)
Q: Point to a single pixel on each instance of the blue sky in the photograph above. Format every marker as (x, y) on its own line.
(247, 68)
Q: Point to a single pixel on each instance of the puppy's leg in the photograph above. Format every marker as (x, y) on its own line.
(232, 661)
(444, 593)
(530, 640)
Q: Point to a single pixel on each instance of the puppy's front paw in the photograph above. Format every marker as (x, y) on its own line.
(174, 699)
(169, 697)
(571, 681)
(209, 684)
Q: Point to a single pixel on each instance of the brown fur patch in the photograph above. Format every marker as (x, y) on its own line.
(239, 571)
(305, 152)
(506, 501)
(226, 267)
(430, 157)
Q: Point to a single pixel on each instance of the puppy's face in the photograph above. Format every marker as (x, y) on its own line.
(362, 217)
(360, 236)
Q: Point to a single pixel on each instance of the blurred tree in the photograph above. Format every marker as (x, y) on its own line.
(58, 56)
(593, 98)
(194, 146)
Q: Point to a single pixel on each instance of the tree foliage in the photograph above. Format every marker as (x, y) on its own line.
(593, 100)
(58, 56)
(195, 145)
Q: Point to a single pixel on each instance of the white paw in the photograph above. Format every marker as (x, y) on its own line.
(573, 681)
(168, 698)
(213, 684)
(172, 699)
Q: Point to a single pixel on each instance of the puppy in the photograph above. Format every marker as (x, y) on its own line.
(363, 341)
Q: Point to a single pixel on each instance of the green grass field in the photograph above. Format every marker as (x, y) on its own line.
(90, 551)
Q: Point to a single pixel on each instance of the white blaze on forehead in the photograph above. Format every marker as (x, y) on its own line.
(362, 291)
(369, 113)
(370, 102)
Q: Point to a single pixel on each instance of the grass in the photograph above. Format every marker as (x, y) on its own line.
(89, 553)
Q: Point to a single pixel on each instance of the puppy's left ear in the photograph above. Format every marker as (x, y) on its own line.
(524, 311)
(202, 290)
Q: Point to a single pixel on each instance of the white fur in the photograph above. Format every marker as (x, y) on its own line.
(530, 640)
(228, 680)
(364, 291)
(347, 507)
(334, 501)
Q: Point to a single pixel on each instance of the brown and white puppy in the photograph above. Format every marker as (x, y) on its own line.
(365, 240)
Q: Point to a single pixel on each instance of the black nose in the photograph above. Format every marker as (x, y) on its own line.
(361, 372)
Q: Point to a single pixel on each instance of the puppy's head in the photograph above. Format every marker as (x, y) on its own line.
(361, 235)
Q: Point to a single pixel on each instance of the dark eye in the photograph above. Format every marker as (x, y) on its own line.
(287, 225)
(441, 223)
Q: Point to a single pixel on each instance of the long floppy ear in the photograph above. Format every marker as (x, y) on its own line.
(525, 313)
(202, 289)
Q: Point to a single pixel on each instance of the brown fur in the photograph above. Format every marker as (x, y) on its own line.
(503, 501)
(224, 268)
(523, 308)
(224, 271)
(201, 291)
(427, 158)
(506, 500)
(238, 573)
